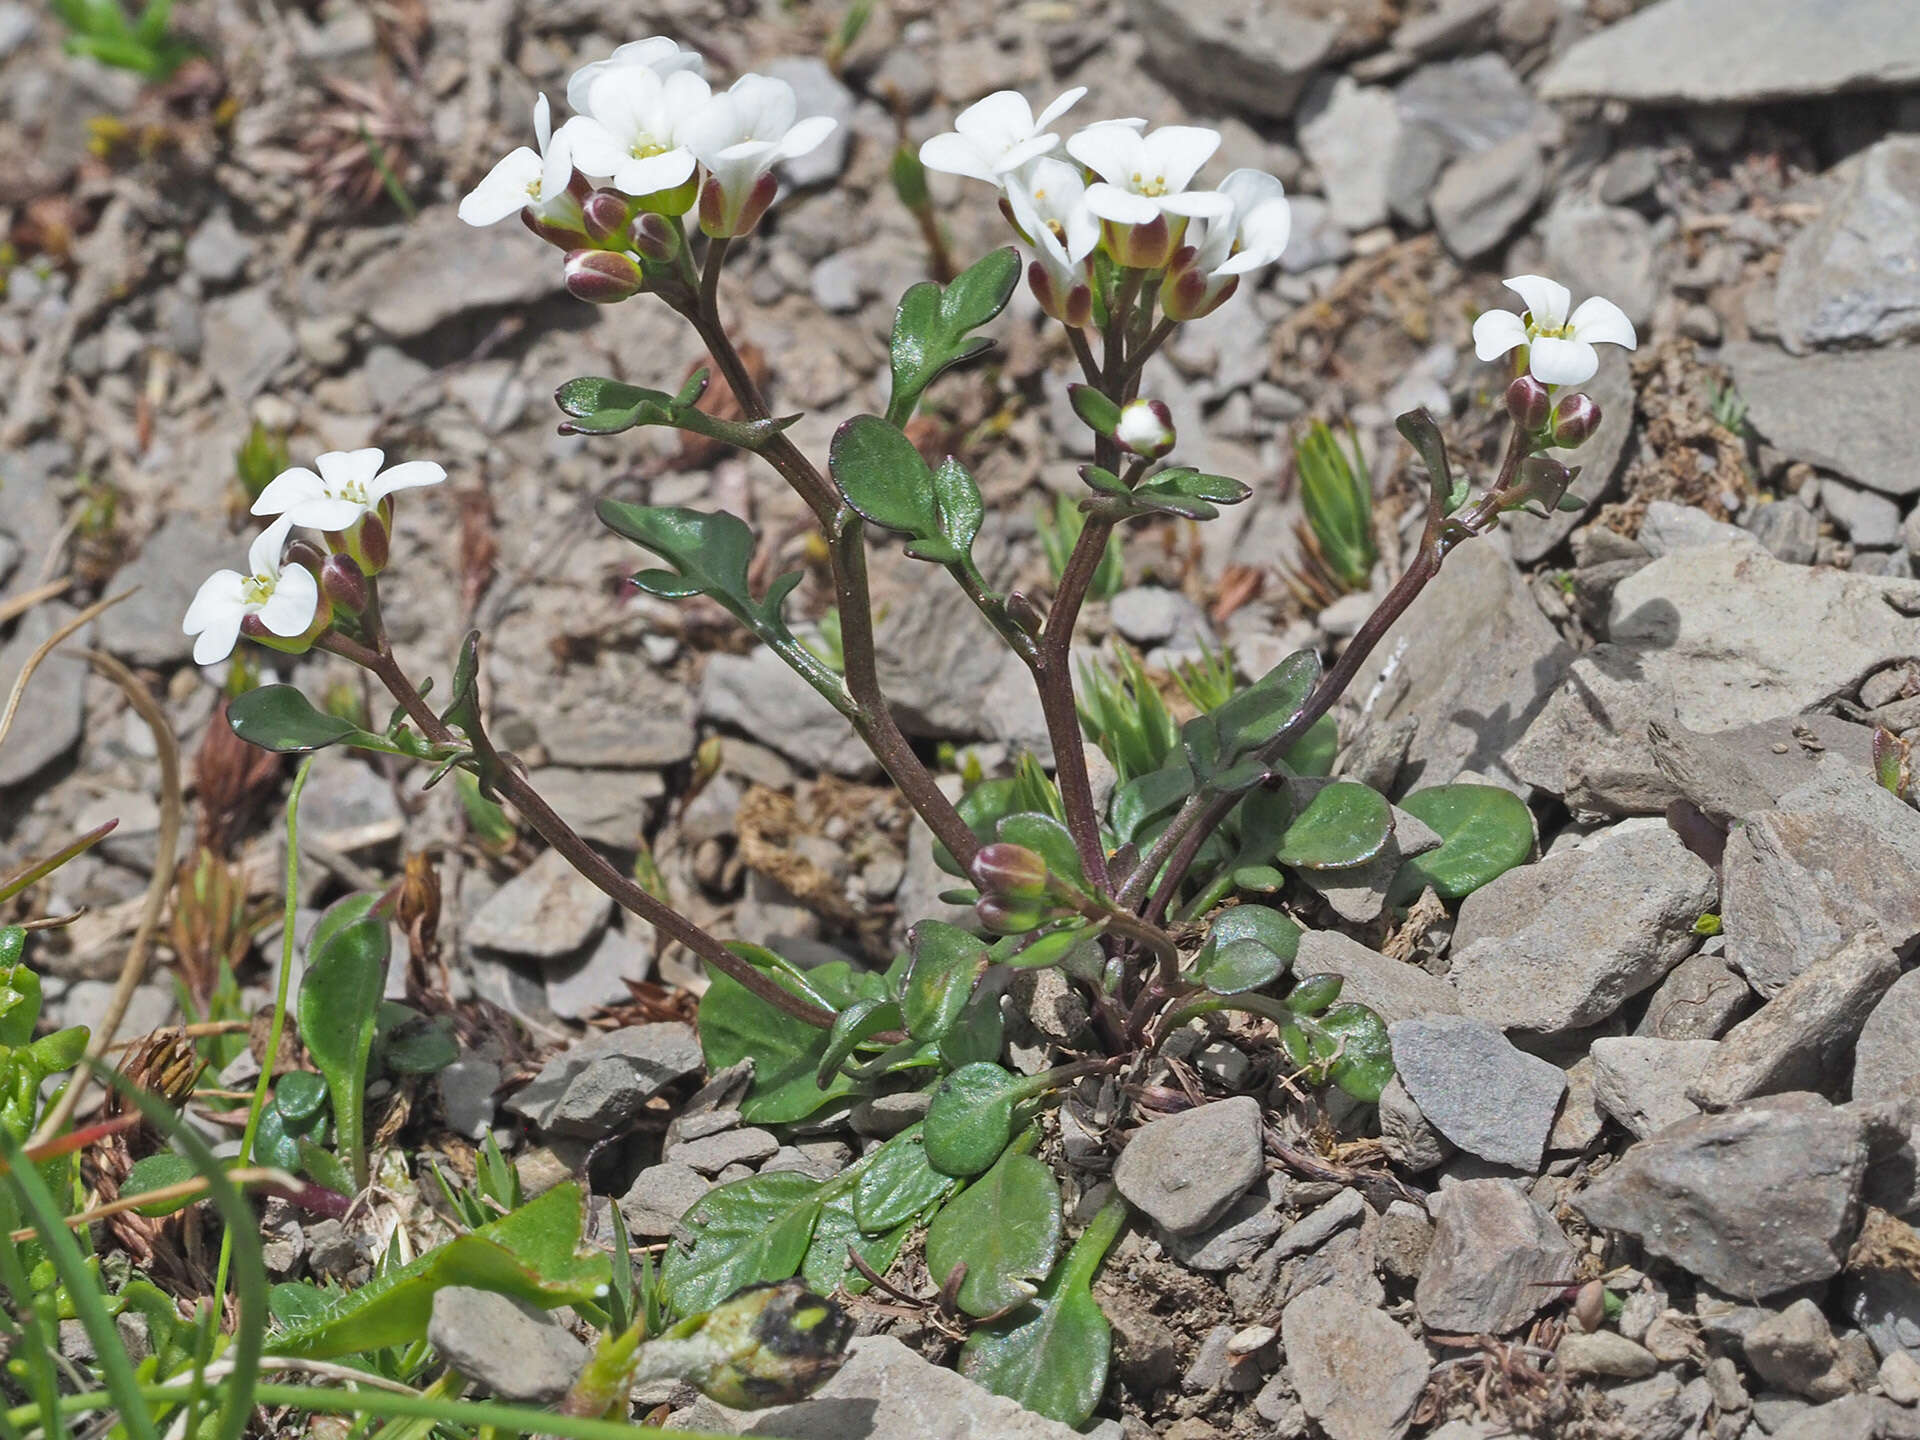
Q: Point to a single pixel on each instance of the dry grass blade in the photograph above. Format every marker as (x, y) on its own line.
(26, 600)
(46, 648)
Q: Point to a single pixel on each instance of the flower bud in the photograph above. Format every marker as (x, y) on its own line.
(606, 215)
(1009, 871)
(1072, 305)
(344, 582)
(367, 541)
(255, 629)
(1008, 917)
(603, 277)
(304, 553)
(1575, 419)
(654, 237)
(1530, 404)
(767, 1345)
(561, 224)
(1140, 247)
(720, 216)
(1145, 428)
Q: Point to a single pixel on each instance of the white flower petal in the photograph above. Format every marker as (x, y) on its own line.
(1547, 300)
(596, 150)
(341, 468)
(217, 637)
(1111, 149)
(219, 595)
(1024, 153)
(1496, 332)
(1059, 107)
(1175, 153)
(542, 121)
(1600, 321)
(1000, 120)
(408, 475)
(557, 171)
(1123, 207)
(263, 556)
(288, 489)
(954, 154)
(1083, 230)
(806, 136)
(1562, 362)
(654, 173)
(290, 609)
(1210, 204)
(504, 191)
(1264, 233)
(328, 513)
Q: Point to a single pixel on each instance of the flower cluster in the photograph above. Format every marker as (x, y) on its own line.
(649, 141)
(1122, 197)
(287, 597)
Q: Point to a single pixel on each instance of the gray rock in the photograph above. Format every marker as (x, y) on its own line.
(1886, 1060)
(1495, 1258)
(1564, 943)
(1580, 1122)
(1849, 278)
(466, 1096)
(513, 1350)
(53, 706)
(885, 1391)
(1669, 528)
(1643, 1083)
(1869, 520)
(1853, 1417)
(351, 808)
(1358, 1375)
(818, 91)
(1313, 1230)
(1350, 132)
(1794, 1350)
(548, 910)
(1482, 197)
(835, 283)
(1252, 55)
(1845, 412)
(1406, 1135)
(245, 341)
(758, 693)
(599, 1085)
(1683, 51)
(1731, 774)
(1393, 989)
(1317, 239)
(1603, 1355)
(1186, 1170)
(1754, 1201)
(1612, 250)
(885, 1116)
(1710, 638)
(1699, 1000)
(1455, 108)
(1787, 528)
(1239, 1235)
(711, 1154)
(1154, 615)
(1476, 1089)
(438, 268)
(596, 976)
(659, 1196)
(609, 807)
(1803, 1038)
(1473, 661)
(217, 252)
(17, 25)
(1454, 25)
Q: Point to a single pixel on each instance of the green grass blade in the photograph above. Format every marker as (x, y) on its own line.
(42, 1340)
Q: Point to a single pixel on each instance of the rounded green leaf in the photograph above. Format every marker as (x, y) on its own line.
(1346, 823)
(827, 1267)
(1048, 838)
(299, 1095)
(897, 1184)
(947, 962)
(1365, 1062)
(414, 1044)
(884, 478)
(1256, 922)
(735, 1025)
(1240, 966)
(970, 1119)
(1314, 993)
(1485, 832)
(280, 718)
(272, 1145)
(157, 1172)
(1005, 1228)
(748, 1233)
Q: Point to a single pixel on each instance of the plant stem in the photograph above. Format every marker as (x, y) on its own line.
(1053, 676)
(598, 870)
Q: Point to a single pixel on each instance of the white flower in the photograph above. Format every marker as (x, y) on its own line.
(994, 137)
(1559, 346)
(656, 53)
(350, 484)
(285, 600)
(633, 131)
(1143, 176)
(740, 135)
(1049, 203)
(524, 177)
(1253, 233)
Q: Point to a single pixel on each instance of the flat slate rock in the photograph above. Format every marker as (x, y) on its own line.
(438, 267)
(1477, 1089)
(1849, 278)
(548, 910)
(599, 1085)
(1705, 52)
(1358, 1375)
(1495, 1257)
(1849, 412)
(1186, 1170)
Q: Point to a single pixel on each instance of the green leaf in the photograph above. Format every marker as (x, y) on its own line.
(748, 1233)
(1314, 993)
(1005, 1228)
(1138, 802)
(1485, 831)
(157, 1172)
(1337, 495)
(735, 1025)
(980, 1033)
(1417, 427)
(1312, 754)
(1366, 1056)
(338, 1010)
(1042, 951)
(321, 1167)
(1186, 494)
(1248, 947)
(947, 964)
(851, 1027)
(969, 1119)
(897, 1184)
(1048, 838)
(1052, 1356)
(19, 990)
(961, 507)
(410, 1043)
(930, 326)
(300, 1096)
(1266, 707)
(280, 718)
(60, 1051)
(529, 1255)
(826, 1267)
(274, 1144)
(883, 477)
(1346, 823)
(606, 407)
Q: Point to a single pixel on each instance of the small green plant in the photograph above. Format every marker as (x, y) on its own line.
(261, 456)
(1337, 493)
(1060, 531)
(143, 43)
(1728, 408)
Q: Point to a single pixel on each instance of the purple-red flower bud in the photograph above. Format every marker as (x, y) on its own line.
(1575, 419)
(1008, 917)
(1073, 308)
(603, 277)
(343, 582)
(1142, 247)
(1530, 404)
(1145, 428)
(605, 214)
(1009, 871)
(654, 236)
